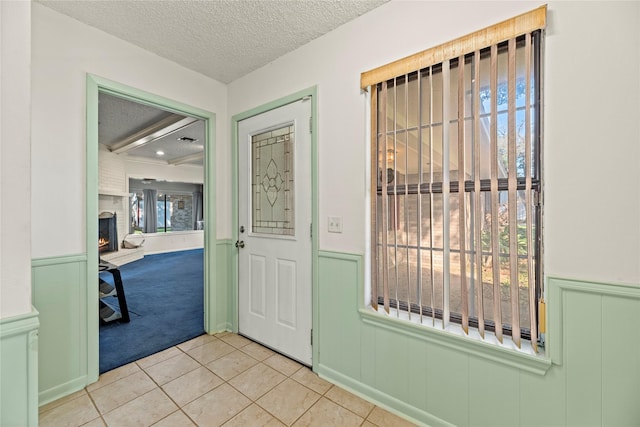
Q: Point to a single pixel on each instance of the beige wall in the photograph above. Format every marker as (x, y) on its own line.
(15, 180)
(592, 141)
(591, 126)
(591, 229)
(63, 52)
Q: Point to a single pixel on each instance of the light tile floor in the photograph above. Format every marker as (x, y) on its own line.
(217, 380)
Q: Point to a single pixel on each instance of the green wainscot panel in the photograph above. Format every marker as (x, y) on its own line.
(589, 373)
(19, 370)
(620, 361)
(60, 295)
(488, 379)
(448, 379)
(583, 358)
(339, 331)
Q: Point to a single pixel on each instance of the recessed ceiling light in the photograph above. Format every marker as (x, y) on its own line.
(160, 153)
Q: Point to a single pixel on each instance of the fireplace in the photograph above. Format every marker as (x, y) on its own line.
(107, 232)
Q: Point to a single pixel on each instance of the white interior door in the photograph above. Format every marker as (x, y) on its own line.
(274, 213)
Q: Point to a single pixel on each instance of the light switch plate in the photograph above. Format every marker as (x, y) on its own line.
(335, 224)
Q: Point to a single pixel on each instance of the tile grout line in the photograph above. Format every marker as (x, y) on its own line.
(157, 386)
(180, 408)
(255, 401)
(348, 409)
(96, 408)
(274, 415)
(227, 381)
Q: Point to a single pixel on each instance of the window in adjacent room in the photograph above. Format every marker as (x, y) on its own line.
(456, 182)
(178, 207)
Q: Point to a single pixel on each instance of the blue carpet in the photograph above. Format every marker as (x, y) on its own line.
(164, 293)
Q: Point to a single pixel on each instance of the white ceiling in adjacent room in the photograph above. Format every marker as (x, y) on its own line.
(142, 131)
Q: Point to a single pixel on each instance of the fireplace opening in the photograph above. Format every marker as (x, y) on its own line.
(107, 232)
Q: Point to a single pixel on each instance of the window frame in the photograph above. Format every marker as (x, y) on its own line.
(164, 198)
(510, 29)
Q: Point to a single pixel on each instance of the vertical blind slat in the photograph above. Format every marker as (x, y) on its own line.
(446, 219)
(384, 196)
(512, 197)
(406, 189)
(375, 170)
(420, 182)
(495, 247)
(462, 212)
(477, 197)
(431, 227)
(528, 196)
(395, 190)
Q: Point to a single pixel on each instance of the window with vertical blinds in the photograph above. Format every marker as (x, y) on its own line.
(456, 182)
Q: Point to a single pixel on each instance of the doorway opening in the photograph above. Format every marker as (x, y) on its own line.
(151, 177)
(148, 165)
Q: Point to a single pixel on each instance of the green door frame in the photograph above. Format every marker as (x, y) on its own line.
(95, 85)
(311, 93)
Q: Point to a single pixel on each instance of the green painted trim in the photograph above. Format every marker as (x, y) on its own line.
(232, 309)
(224, 251)
(315, 221)
(600, 288)
(526, 362)
(26, 383)
(62, 390)
(557, 289)
(32, 379)
(312, 91)
(210, 250)
(91, 194)
(95, 85)
(56, 260)
(383, 400)
(233, 274)
(147, 98)
(20, 324)
(342, 256)
(535, 364)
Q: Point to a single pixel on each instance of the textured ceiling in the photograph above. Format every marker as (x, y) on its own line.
(119, 118)
(222, 39)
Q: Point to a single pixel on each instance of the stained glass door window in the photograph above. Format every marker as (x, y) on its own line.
(272, 182)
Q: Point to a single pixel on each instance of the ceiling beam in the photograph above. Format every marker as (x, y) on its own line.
(160, 129)
(186, 159)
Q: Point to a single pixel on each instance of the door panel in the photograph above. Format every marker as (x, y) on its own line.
(258, 279)
(286, 288)
(274, 215)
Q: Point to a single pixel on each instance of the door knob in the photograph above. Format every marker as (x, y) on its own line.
(240, 244)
